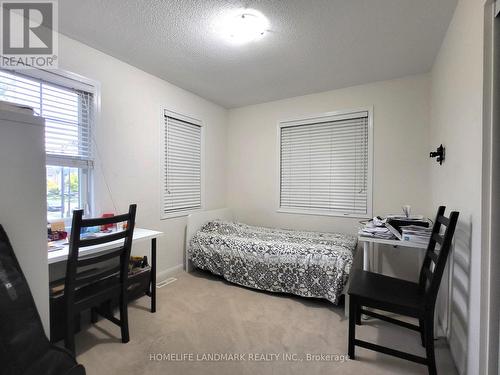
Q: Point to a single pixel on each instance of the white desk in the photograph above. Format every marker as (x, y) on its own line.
(370, 242)
(140, 234)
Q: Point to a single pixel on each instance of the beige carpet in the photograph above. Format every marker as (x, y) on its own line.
(201, 314)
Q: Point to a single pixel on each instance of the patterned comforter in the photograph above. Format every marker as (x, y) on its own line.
(309, 264)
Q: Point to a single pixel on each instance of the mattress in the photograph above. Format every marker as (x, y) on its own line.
(308, 264)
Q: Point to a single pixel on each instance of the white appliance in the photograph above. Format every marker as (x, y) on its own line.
(23, 211)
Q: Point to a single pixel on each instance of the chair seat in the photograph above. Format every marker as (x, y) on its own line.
(386, 293)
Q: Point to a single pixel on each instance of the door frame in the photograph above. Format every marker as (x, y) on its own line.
(490, 216)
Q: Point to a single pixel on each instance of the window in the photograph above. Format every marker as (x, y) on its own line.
(182, 171)
(325, 165)
(68, 113)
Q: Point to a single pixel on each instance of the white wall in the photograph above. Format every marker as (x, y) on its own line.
(128, 140)
(456, 121)
(401, 150)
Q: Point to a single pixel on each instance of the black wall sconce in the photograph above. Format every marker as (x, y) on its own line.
(438, 154)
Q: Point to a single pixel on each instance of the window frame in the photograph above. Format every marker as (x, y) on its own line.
(66, 79)
(86, 184)
(165, 111)
(323, 117)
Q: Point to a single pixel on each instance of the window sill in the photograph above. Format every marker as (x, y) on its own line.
(174, 215)
(323, 213)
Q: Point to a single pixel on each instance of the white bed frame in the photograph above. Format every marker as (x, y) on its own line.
(195, 221)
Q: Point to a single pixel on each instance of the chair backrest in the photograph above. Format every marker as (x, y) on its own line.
(434, 263)
(75, 268)
(22, 338)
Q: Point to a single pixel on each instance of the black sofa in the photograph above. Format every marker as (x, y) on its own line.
(24, 348)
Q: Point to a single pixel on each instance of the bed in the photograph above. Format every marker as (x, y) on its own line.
(308, 264)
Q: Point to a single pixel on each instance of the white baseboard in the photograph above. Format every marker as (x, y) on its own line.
(169, 272)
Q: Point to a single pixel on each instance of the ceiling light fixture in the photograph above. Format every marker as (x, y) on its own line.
(243, 26)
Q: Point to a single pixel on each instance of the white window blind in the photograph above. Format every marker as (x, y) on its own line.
(324, 165)
(68, 113)
(182, 172)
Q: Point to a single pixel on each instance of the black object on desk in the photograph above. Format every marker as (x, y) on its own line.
(398, 223)
(24, 348)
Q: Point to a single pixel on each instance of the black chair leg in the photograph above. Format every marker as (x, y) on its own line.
(353, 308)
(93, 315)
(124, 319)
(358, 315)
(422, 331)
(69, 337)
(429, 345)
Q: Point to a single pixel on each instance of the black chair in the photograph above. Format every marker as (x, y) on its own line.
(24, 348)
(91, 289)
(415, 300)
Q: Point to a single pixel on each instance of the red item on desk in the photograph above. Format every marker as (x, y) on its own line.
(108, 226)
(57, 235)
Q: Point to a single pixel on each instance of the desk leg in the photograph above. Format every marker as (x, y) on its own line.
(375, 256)
(153, 275)
(366, 256)
(367, 249)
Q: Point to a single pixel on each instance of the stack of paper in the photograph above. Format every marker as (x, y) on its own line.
(54, 246)
(373, 230)
(413, 233)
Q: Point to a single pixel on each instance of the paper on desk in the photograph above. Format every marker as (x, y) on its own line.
(378, 232)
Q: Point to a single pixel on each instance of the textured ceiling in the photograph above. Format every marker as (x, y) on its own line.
(312, 45)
